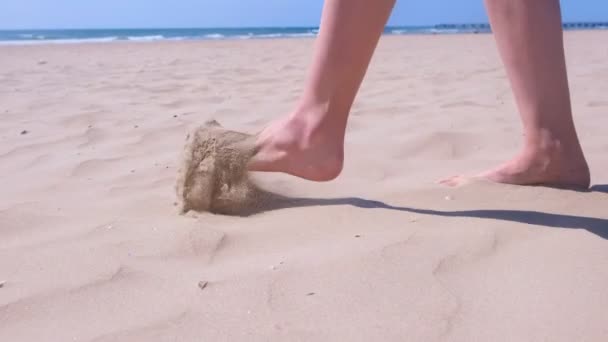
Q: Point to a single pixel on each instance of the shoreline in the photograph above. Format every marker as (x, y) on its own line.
(89, 41)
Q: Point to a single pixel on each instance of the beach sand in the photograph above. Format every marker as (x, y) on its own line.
(93, 247)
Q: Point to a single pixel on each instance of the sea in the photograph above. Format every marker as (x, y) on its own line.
(20, 37)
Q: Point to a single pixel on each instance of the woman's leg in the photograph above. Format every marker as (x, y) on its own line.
(530, 42)
(309, 143)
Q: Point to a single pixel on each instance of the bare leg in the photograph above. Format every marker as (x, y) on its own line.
(309, 143)
(530, 42)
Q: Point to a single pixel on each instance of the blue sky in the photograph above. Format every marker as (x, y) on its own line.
(15, 14)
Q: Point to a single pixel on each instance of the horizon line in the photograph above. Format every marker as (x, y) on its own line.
(566, 23)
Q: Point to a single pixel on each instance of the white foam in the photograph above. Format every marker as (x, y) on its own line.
(214, 36)
(434, 30)
(31, 39)
(59, 41)
(284, 35)
(145, 38)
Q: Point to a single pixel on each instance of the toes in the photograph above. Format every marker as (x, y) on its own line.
(453, 181)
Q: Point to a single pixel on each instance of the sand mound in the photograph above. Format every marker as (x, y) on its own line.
(213, 174)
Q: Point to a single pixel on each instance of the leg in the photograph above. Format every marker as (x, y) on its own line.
(530, 42)
(309, 143)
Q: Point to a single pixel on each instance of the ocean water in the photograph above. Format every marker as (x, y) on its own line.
(110, 35)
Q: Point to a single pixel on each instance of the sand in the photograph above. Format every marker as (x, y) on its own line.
(93, 246)
(213, 175)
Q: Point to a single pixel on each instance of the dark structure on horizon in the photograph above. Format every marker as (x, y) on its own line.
(481, 27)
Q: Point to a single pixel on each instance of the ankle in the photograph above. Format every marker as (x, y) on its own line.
(322, 117)
(562, 157)
(316, 127)
(548, 144)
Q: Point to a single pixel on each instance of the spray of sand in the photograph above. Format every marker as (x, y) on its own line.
(213, 175)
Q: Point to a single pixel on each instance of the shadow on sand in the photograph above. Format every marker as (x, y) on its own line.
(595, 225)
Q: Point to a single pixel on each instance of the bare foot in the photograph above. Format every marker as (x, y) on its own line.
(549, 166)
(300, 149)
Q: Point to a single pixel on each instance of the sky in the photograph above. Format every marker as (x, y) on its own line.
(20, 14)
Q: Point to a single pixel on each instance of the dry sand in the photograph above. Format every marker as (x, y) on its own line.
(92, 246)
(213, 176)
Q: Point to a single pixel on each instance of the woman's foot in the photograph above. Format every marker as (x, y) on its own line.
(549, 163)
(300, 147)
